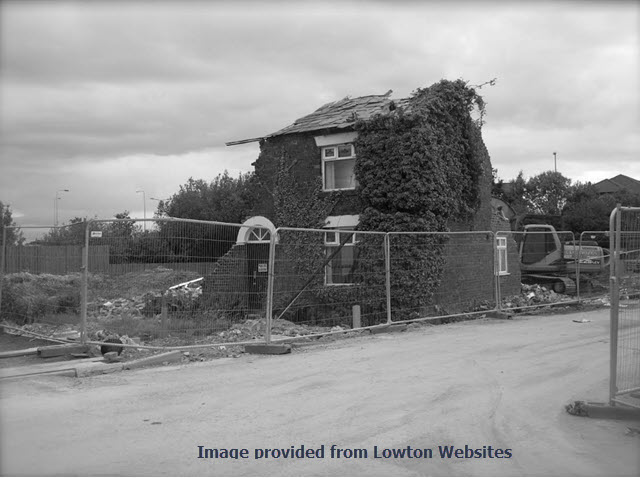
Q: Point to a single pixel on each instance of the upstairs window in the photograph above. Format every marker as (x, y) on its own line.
(339, 270)
(338, 162)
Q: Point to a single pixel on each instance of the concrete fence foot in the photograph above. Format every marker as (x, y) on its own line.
(268, 349)
(385, 329)
(603, 410)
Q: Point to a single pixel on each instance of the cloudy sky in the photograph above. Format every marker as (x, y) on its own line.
(106, 98)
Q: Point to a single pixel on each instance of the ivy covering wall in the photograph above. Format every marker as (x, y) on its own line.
(419, 169)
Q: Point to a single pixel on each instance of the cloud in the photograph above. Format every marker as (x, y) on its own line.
(100, 97)
(108, 187)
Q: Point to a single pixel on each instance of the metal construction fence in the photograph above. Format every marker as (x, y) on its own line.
(178, 281)
(44, 279)
(169, 282)
(625, 307)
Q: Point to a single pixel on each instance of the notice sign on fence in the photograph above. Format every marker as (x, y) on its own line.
(262, 267)
(96, 233)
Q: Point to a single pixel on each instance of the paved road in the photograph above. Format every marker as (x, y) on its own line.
(485, 383)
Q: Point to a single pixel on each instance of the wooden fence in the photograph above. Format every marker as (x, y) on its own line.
(53, 259)
(68, 259)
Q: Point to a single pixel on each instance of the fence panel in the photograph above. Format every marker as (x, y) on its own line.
(441, 274)
(176, 282)
(327, 279)
(548, 269)
(594, 261)
(625, 307)
(40, 279)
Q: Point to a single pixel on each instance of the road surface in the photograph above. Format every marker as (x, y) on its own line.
(486, 383)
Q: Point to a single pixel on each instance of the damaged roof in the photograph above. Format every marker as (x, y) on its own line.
(341, 114)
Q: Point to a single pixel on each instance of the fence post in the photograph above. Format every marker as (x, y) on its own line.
(3, 253)
(84, 284)
(270, 281)
(164, 313)
(579, 261)
(387, 273)
(496, 269)
(615, 223)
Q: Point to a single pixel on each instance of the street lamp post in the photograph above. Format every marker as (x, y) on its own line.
(55, 205)
(144, 209)
(555, 165)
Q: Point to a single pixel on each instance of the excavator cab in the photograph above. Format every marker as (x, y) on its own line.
(540, 245)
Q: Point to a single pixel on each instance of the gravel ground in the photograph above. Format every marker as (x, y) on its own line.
(498, 383)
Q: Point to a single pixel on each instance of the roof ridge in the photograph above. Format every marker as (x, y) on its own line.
(340, 114)
(624, 176)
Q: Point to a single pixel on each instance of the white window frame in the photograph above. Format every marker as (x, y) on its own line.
(337, 239)
(259, 234)
(502, 255)
(335, 158)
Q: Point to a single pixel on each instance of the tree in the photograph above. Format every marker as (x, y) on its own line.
(123, 229)
(547, 192)
(225, 199)
(13, 236)
(66, 235)
(586, 210)
(513, 193)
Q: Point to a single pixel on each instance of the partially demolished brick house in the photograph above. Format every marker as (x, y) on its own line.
(321, 146)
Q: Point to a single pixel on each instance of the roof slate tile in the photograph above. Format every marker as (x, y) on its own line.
(339, 114)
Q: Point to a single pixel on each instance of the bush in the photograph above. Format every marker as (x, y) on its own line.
(27, 297)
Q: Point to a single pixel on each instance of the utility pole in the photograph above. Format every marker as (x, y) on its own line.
(55, 205)
(144, 206)
(555, 164)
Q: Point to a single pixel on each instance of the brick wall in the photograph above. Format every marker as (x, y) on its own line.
(225, 286)
(509, 284)
(469, 272)
(468, 279)
(303, 157)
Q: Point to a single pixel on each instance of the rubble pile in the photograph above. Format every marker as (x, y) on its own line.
(148, 304)
(252, 329)
(534, 294)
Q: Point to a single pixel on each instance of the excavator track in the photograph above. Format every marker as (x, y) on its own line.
(560, 285)
(564, 285)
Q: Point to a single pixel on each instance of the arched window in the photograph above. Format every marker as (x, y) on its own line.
(256, 229)
(259, 234)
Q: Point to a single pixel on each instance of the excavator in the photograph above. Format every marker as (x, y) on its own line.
(545, 259)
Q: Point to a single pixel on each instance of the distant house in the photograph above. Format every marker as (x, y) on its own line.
(618, 183)
(321, 145)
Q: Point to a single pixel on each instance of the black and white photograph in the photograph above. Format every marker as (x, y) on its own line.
(319, 238)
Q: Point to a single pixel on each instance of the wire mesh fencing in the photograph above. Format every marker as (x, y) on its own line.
(175, 281)
(547, 265)
(441, 274)
(324, 279)
(625, 307)
(40, 278)
(171, 282)
(509, 294)
(594, 259)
